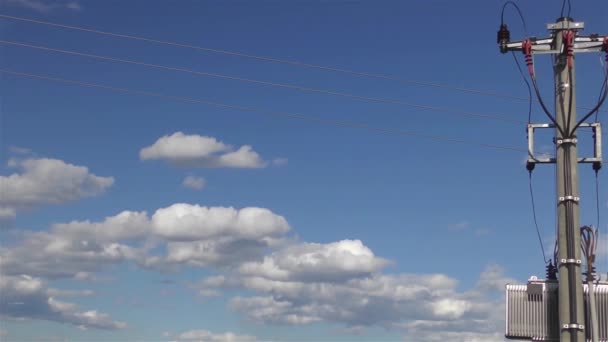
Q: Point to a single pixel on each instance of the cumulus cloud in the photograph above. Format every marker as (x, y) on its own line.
(44, 6)
(25, 297)
(207, 336)
(194, 183)
(334, 261)
(56, 255)
(280, 281)
(47, 181)
(493, 278)
(186, 234)
(201, 151)
(124, 226)
(343, 282)
(187, 222)
(379, 300)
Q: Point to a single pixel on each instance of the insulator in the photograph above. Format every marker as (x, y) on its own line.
(551, 271)
(593, 273)
(530, 166)
(503, 37)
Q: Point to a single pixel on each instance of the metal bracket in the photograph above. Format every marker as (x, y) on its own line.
(597, 148)
(566, 25)
(573, 326)
(575, 199)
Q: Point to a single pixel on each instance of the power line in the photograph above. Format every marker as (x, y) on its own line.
(267, 59)
(272, 60)
(265, 83)
(296, 116)
(540, 240)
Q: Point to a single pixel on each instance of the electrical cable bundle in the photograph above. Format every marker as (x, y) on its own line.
(589, 237)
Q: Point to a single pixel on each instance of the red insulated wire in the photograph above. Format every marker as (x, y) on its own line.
(605, 48)
(527, 49)
(569, 40)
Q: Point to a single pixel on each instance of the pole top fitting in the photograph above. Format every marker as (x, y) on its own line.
(566, 23)
(564, 19)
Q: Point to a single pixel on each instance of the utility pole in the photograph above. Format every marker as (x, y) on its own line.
(570, 290)
(563, 43)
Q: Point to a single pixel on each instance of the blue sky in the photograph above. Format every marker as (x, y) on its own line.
(336, 233)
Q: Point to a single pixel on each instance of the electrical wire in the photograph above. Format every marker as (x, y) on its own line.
(544, 107)
(532, 76)
(564, 8)
(597, 199)
(605, 71)
(589, 247)
(270, 59)
(502, 118)
(570, 97)
(540, 240)
(600, 102)
(265, 59)
(521, 16)
(523, 76)
(290, 115)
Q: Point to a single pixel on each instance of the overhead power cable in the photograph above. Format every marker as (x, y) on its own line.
(265, 83)
(530, 97)
(533, 202)
(290, 115)
(270, 59)
(266, 59)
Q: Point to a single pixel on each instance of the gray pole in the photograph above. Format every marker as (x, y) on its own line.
(571, 314)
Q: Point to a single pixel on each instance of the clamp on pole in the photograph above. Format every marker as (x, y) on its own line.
(573, 326)
(572, 141)
(569, 198)
(564, 262)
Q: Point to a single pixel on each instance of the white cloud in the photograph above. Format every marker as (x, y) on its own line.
(342, 282)
(70, 293)
(47, 181)
(19, 150)
(44, 6)
(7, 213)
(460, 226)
(194, 183)
(207, 336)
(126, 225)
(201, 151)
(439, 331)
(334, 261)
(187, 234)
(493, 278)
(58, 255)
(284, 282)
(280, 161)
(25, 297)
(187, 222)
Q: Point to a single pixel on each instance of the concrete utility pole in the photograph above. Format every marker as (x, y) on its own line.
(570, 291)
(564, 42)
